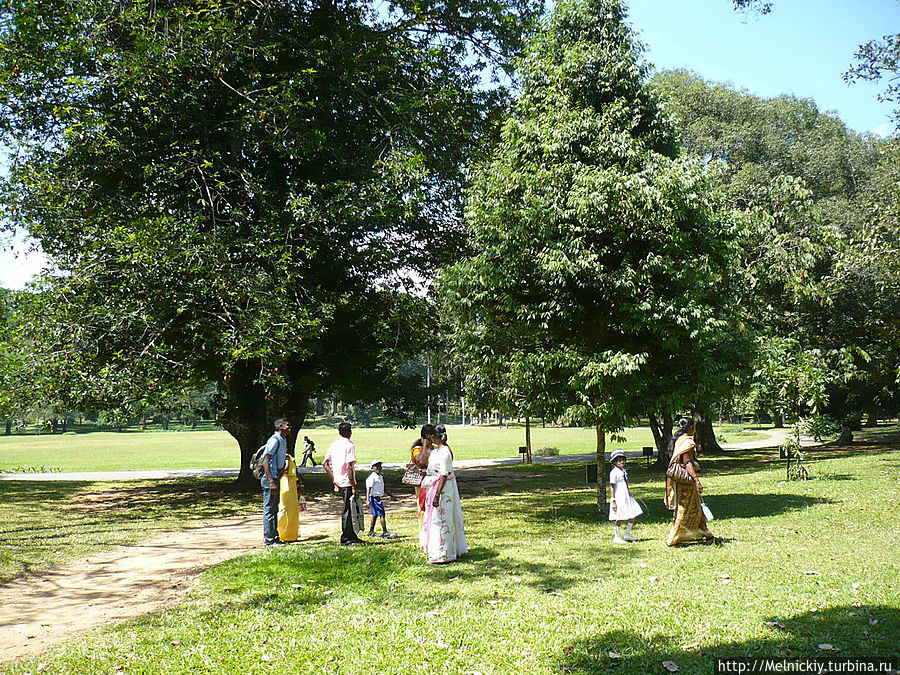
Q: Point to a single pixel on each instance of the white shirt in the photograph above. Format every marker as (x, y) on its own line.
(341, 453)
(375, 485)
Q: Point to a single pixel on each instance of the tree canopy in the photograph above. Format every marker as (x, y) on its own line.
(240, 192)
(600, 277)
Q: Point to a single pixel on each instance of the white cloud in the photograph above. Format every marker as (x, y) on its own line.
(885, 130)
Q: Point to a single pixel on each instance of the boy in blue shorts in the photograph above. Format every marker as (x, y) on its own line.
(374, 498)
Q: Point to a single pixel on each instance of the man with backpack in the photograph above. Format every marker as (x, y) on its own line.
(274, 467)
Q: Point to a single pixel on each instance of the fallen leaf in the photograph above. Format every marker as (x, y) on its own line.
(614, 655)
(775, 624)
(810, 572)
(872, 622)
(643, 564)
(494, 602)
(555, 593)
(453, 578)
(265, 657)
(671, 666)
(46, 624)
(546, 542)
(856, 585)
(440, 643)
(653, 580)
(825, 647)
(175, 643)
(471, 672)
(295, 586)
(724, 576)
(41, 667)
(329, 592)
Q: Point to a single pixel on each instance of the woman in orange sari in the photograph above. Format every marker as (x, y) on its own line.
(419, 457)
(684, 499)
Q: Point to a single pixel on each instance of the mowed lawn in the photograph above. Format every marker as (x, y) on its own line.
(544, 590)
(133, 450)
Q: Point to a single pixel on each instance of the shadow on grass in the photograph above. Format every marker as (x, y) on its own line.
(847, 628)
(563, 508)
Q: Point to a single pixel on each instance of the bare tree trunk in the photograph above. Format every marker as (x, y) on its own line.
(872, 418)
(601, 469)
(661, 427)
(778, 419)
(528, 439)
(704, 435)
(244, 414)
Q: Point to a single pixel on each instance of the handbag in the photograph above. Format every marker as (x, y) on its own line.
(678, 473)
(414, 475)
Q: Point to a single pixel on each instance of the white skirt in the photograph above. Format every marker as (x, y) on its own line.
(626, 506)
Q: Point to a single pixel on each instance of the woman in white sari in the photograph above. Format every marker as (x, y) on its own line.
(443, 536)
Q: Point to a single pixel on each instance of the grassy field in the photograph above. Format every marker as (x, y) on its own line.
(112, 451)
(544, 590)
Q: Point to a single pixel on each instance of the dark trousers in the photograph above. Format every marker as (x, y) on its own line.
(270, 513)
(308, 456)
(348, 534)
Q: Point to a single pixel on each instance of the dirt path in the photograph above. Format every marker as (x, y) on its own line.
(42, 610)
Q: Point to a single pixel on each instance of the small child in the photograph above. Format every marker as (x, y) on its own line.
(622, 505)
(374, 494)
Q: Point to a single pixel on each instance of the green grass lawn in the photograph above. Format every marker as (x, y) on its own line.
(111, 451)
(544, 590)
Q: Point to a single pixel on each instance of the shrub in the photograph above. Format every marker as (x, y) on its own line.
(547, 452)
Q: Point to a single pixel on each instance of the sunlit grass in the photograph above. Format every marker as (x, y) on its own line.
(544, 590)
(111, 451)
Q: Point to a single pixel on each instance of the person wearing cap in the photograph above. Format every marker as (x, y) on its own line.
(374, 498)
(622, 505)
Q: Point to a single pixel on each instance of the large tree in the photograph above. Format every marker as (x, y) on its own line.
(809, 185)
(600, 274)
(240, 192)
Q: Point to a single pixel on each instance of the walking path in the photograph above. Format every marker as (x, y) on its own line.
(42, 610)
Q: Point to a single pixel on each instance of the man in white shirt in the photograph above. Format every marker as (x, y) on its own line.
(340, 464)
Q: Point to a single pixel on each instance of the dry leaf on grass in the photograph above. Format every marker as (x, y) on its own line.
(671, 666)
(724, 576)
(614, 655)
(775, 624)
(825, 647)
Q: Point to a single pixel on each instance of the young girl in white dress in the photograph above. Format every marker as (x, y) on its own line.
(622, 505)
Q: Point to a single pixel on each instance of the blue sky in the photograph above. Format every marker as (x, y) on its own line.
(802, 47)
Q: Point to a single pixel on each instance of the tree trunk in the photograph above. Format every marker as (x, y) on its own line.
(704, 436)
(601, 469)
(872, 418)
(244, 414)
(54, 425)
(778, 419)
(528, 439)
(662, 436)
(8, 427)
